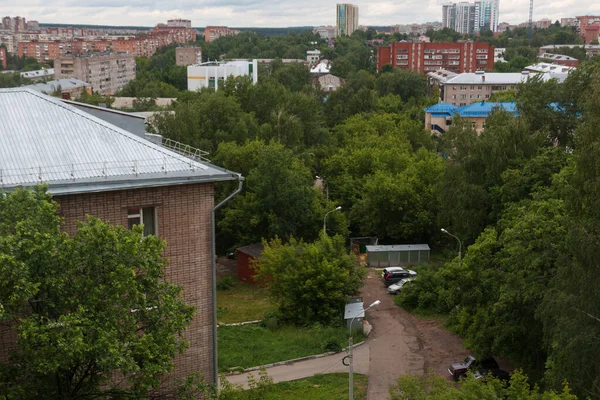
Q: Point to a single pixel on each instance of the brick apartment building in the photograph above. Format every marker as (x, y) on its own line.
(95, 168)
(589, 27)
(107, 73)
(188, 55)
(426, 57)
(139, 46)
(215, 32)
(3, 57)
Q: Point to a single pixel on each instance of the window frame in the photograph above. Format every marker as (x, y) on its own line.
(140, 215)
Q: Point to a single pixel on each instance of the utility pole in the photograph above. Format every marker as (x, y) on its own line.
(530, 18)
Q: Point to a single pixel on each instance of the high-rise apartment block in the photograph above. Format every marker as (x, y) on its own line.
(188, 55)
(470, 18)
(214, 32)
(179, 23)
(347, 19)
(421, 57)
(106, 73)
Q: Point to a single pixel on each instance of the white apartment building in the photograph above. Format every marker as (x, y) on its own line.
(213, 74)
(469, 18)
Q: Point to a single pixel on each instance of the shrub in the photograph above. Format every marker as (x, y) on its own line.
(332, 344)
(272, 320)
(225, 283)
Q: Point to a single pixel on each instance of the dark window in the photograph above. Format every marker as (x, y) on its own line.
(145, 216)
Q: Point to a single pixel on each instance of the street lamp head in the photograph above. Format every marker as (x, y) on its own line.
(375, 303)
(445, 231)
(338, 208)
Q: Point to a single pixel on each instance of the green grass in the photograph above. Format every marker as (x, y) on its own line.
(252, 345)
(319, 387)
(243, 302)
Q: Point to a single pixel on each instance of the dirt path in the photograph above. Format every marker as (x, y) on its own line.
(401, 343)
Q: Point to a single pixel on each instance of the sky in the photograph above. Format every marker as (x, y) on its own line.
(273, 13)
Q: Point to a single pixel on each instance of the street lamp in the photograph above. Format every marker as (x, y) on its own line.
(350, 363)
(459, 243)
(338, 208)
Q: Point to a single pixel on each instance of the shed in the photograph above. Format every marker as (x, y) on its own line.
(354, 313)
(245, 256)
(397, 255)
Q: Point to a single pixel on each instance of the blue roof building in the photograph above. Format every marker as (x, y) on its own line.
(439, 117)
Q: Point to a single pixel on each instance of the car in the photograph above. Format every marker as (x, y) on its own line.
(460, 369)
(482, 374)
(397, 275)
(389, 270)
(396, 287)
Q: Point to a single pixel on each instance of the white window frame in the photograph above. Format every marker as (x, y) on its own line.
(140, 215)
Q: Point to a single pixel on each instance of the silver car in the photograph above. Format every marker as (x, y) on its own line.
(396, 287)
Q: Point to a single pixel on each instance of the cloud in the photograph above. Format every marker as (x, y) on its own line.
(273, 13)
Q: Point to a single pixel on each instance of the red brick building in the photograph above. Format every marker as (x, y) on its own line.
(215, 32)
(95, 168)
(588, 27)
(426, 57)
(245, 257)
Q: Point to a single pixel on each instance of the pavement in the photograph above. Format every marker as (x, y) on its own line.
(303, 369)
(394, 347)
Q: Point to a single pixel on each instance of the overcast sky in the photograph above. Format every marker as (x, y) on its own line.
(264, 13)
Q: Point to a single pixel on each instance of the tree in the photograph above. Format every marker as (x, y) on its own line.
(403, 83)
(86, 308)
(572, 310)
(310, 282)
(207, 120)
(279, 199)
(437, 388)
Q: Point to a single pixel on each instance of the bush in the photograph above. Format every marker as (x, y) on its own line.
(225, 283)
(272, 320)
(332, 344)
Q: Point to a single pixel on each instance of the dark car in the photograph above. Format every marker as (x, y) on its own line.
(460, 369)
(397, 275)
(482, 374)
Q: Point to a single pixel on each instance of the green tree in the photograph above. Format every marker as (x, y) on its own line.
(432, 387)
(85, 308)
(310, 282)
(207, 120)
(403, 83)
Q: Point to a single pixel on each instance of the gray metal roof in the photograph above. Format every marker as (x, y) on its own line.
(64, 84)
(43, 140)
(500, 78)
(354, 310)
(397, 247)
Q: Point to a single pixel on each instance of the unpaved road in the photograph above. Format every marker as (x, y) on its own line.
(401, 343)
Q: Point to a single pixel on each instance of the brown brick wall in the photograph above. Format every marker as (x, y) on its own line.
(183, 220)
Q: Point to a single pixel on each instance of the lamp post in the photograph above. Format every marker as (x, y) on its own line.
(459, 243)
(338, 208)
(350, 362)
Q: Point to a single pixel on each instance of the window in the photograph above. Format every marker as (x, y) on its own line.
(463, 88)
(472, 125)
(472, 87)
(478, 87)
(454, 96)
(145, 216)
(463, 96)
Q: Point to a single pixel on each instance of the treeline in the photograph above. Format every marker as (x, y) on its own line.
(525, 195)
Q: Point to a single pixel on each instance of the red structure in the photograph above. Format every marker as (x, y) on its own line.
(426, 57)
(245, 257)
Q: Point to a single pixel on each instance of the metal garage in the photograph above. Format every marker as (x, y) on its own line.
(397, 255)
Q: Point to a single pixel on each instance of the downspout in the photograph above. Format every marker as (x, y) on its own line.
(214, 277)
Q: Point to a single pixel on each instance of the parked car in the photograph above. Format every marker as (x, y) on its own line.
(396, 287)
(460, 369)
(389, 270)
(482, 374)
(397, 275)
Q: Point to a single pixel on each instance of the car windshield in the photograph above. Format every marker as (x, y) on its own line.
(467, 360)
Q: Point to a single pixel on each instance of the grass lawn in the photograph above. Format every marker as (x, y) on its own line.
(252, 345)
(243, 302)
(319, 387)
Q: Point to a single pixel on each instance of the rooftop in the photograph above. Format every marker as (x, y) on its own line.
(44, 140)
(557, 57)
(63, 84)
(483, 109)
(549, 67)
(489, 78)
(398, 247)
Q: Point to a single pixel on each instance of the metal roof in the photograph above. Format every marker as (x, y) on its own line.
(64, 84)
(490, 78)
(354, 310)
(441, 108)
(43, 140)
(483, 109)
(398, 247)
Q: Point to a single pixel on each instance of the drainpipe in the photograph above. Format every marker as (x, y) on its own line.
(213, 256)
